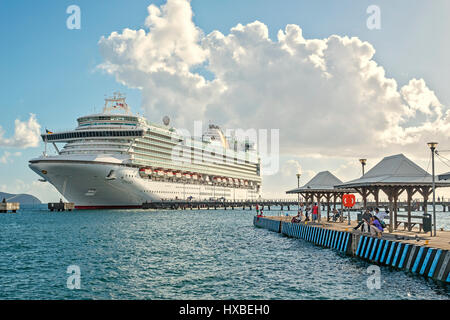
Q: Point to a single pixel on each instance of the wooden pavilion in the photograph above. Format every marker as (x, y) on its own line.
(394, 175)
(322, 186)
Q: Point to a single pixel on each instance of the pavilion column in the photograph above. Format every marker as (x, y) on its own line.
(410, 192)
(376, 193)
(390, 194)
(395, 209)
(328, 196)
(425, 192)
(319, 211)
(391, 211)
(303, 198)
(364, 195)
(397, 193)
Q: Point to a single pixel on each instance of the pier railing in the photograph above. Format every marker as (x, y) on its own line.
(220, 204)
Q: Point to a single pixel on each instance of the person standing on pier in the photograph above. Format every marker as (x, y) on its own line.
(379, 215)
(302, 207)
(307, 213)
(315, 212)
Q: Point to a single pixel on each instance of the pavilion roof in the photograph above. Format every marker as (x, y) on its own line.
(322, 182)
(396, 170)
(444, 176)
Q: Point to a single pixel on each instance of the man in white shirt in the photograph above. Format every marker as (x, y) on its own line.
(380, 215)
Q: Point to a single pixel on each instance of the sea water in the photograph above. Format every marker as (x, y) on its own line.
(186, 254)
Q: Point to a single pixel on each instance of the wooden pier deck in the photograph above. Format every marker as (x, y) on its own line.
(441, 241)
(409, 251)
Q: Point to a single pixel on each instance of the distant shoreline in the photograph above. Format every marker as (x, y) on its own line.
(22, 198)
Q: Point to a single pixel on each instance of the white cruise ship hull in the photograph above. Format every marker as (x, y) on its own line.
(85, 182)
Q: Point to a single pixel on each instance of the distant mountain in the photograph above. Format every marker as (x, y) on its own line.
(21, 198)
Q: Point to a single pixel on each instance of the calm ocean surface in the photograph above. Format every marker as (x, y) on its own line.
(131, 254)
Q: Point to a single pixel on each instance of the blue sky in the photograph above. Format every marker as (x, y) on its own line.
(50, 70)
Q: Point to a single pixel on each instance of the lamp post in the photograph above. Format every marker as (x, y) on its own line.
(298, 186)
(432, 146)
(363, 163)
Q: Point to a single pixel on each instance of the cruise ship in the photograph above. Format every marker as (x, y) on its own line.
(115, 159)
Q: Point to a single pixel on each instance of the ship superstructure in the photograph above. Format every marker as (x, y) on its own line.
(117, 159)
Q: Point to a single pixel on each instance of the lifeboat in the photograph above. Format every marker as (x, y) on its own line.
(187, 175)
(194, 176)
(145, 171)
(169, 173)
(178, 174)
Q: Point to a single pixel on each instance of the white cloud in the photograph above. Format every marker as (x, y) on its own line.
(291, 168)
(420, 98)
(327, 96)
(7, 156)
(26, 134)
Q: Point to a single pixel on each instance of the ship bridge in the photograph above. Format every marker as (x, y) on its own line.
(78, 134)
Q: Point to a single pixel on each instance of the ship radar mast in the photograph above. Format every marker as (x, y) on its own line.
(116, 103)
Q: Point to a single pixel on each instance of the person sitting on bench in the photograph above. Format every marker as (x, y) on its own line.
(297, 218)
(365, 221)
(375, 227)
(336, 215)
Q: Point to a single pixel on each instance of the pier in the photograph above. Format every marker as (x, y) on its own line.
(280, 204)
(61, 206)
(9, 206)
(393, 175)
(401, 250)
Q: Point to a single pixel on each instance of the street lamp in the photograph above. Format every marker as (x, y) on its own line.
(363, 163)
(432, 146)
(298, 186)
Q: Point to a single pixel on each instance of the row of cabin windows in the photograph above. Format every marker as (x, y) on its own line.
(88, 134)
(122, 118)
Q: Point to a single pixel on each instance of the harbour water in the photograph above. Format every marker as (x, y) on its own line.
(217, 254)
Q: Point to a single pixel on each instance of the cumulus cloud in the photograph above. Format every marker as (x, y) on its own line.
(26, 134)
(7, 156)
(327, 96)
(291, 168)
